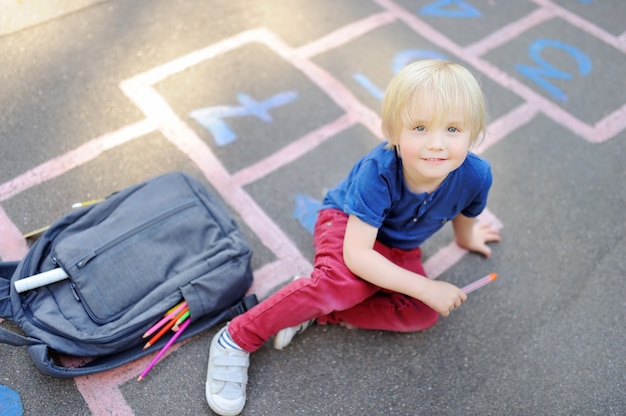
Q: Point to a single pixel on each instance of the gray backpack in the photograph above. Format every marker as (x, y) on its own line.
(128, 260)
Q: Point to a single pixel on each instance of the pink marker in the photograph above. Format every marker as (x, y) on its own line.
(161, 353)
(168, 317)
(480, 283)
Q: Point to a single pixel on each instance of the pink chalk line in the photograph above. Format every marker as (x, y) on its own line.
(161, 72)
(74, 158)
(12, 245)
(505, 125)
(509, 32)
(583, 24)
(292, 152)
(448, 256)
(101, 391)
(336, 90)
(343, 35)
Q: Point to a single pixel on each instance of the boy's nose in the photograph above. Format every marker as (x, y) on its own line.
(435, 141)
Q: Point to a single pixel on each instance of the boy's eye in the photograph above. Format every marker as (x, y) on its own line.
(452, 129)
(420, 128)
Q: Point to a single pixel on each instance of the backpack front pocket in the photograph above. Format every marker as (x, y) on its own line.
(130, 265)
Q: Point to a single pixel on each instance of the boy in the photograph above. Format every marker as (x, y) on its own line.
(367, 267)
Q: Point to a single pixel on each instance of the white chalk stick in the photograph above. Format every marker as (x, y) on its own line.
(40, 279)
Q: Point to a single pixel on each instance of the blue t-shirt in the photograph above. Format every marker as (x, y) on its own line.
(376, 193)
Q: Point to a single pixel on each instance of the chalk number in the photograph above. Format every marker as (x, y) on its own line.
(545, 70)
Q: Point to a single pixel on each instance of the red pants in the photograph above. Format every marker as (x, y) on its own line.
(334, 294)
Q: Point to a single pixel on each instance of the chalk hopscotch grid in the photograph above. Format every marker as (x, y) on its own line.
(161, 117)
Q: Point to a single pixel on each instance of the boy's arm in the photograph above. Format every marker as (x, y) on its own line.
(361, 258)
(474, 236)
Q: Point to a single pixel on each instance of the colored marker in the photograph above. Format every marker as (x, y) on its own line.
(180, 321)
(173, 308)
(36, 233)
(480, 283)
(163, 350)
(86, 203)
(168, 315)
(163, 330)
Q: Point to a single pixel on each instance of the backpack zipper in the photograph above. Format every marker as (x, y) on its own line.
(85, 260)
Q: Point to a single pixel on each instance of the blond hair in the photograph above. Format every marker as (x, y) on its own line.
(439, 86)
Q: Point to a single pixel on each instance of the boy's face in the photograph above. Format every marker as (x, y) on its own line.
(431, 151)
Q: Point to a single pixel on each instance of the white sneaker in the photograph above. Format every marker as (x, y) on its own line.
(284, 336)
(227, 377)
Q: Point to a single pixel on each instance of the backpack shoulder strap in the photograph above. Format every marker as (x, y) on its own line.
(15, 339)
(7, 269)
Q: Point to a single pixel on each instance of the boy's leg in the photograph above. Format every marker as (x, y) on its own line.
(331, 287)
(386, 310)
(333, 294)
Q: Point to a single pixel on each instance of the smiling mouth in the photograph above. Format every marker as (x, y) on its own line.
(433, 159)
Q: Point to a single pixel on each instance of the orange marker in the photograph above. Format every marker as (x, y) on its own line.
(163, 330)
(480, 283)
(168, 315)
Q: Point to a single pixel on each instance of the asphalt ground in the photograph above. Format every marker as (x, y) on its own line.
(99, 95)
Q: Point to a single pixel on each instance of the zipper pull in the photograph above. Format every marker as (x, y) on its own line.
(85, 260)
(74, 292)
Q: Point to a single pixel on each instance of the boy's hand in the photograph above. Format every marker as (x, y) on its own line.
(482, 234)
(474, 236)
(443, 297)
